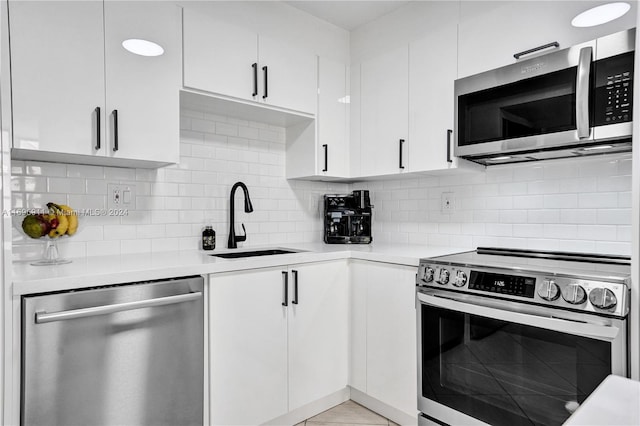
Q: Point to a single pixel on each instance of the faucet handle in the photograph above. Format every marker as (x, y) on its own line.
(242, 237)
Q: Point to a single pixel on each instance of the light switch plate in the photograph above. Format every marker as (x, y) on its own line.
(121, 196)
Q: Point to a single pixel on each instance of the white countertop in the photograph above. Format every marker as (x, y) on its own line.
(616, 401)
(106, 270)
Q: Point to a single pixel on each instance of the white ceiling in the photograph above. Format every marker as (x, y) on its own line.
(348, 14)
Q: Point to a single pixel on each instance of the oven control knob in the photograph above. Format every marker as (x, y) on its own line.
(602, 298)
(428, 275)
(549, 290)
(460, 279)
(444, 276)
(574, 294)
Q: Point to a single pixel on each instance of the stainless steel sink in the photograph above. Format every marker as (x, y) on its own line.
(241, 254)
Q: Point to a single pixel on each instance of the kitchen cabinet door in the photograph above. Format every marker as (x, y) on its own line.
(57, 73)
(144, 90)
(70, 73)
(318, 331)
(325, 154)
(491, 32)
(358, 324)
(332, 119)
(288, 76)
(433, 64)
(391, 335)
(248, 327)
(219, 57)
(384, 101)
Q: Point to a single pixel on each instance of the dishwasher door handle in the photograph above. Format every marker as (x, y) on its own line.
(44, 317)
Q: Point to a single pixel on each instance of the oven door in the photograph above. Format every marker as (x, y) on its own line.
(509, 363)
(532, 105)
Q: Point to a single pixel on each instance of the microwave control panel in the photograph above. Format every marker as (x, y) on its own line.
(614, 90)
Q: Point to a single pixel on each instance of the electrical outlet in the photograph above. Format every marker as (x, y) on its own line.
(447, 202)
(121, 196)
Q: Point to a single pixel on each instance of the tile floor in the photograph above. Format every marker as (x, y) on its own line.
(345, 414)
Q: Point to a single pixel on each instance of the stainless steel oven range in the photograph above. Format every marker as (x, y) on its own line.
(517, 337)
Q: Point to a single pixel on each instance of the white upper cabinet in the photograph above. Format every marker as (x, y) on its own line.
(433, 63)
(384, 111)
(220, 57)
(236, 62)
(325, 154)
(57, 60)
(491, 32)
(333, 102)
(70, 72)
(287, 76)
(144, 91)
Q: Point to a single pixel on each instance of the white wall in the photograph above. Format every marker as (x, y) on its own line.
(574, 204)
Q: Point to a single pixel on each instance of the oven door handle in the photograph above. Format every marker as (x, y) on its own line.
(584, 329)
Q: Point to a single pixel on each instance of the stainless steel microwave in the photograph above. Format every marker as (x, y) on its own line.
(572, 102)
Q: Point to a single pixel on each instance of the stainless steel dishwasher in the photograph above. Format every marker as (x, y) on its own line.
(119, 355)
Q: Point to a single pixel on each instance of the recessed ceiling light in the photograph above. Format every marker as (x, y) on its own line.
(601, 14)
(143, 47)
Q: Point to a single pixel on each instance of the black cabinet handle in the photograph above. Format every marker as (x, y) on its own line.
(295, 287)
(535, 49)
(266, 83)
(255, 79)
(449, 133)
(285, 281)
(326, 157)
(400, 145)
(97, 111)
(115, 130)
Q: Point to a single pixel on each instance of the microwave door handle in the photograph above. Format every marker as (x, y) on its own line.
(584, 329)
(582, 92)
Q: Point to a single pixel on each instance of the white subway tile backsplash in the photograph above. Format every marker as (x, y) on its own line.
(119, 174)
(577, 204)
(28, 184)
(598, 200)
(560, 231)
(614, 216)
(135, 246)
(614, 183)
(204, 126)
(45, 169)
(560, 201)
(66, 185)
(103, 248)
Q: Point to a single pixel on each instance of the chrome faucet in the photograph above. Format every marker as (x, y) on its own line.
(248, 208)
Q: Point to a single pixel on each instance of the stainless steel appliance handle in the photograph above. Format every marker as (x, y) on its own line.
(584, 329)
(582, 92)
(44, 317)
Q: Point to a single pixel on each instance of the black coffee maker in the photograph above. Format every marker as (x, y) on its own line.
(347, 218)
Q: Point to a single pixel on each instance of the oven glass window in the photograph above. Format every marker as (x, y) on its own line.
(504, 373)
(535, 106)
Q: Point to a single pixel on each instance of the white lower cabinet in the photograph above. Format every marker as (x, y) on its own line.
(383, 363)
(268, 359)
